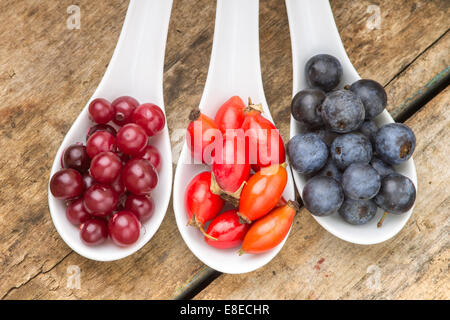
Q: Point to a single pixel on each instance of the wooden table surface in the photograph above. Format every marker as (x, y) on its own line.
(47, 73)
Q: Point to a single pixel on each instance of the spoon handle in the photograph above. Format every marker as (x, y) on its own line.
(313, 31)
(235, 66)
(138, 59)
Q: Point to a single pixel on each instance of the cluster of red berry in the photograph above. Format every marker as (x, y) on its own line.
(107, 182)
(247, 159)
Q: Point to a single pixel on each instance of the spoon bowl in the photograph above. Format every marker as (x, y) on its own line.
(135, 69)
(234, 70)
(313, 31)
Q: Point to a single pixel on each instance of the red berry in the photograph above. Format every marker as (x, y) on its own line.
(200, 203)
(76, 213)
(100, 141)
(142, 206)
(66, 184)
(150, 117)
(101, 110)
(100, 127)
(131, 139)
(94, 232)
(139, 176)
(231, 114)
(124, 228)
(100, 200)
(227, 229)
(231, 166)
(106, 167)
(123, 109)
(151, 154)
(76, 157)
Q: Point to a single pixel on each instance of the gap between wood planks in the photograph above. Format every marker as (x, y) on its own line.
(412, 105)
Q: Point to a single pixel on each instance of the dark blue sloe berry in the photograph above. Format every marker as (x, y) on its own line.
(358, 212)
(342, 111)
(306, 106)
(397, 194)
(395, 143)
(360, 181)
(322, 195)
(350, 148)
(372, 95)
(323, 71)
(307, 153)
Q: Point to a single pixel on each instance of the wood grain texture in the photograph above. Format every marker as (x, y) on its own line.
(429, 70)
(413, 265)
(48, 72)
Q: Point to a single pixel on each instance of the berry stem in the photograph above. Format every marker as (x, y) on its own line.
(195, 223)
(243, 219)
(380, 223)
(207, 235)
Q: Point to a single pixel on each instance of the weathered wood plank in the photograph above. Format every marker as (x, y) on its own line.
(413, 265)
(39, 103)
(47, 73)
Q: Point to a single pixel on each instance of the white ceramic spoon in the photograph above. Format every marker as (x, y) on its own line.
(234, 70)
(136, 69)
(313, 31)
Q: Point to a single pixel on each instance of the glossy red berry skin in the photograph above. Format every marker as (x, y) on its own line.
(231, 165)
(201, 204)
(100, 200)
(105, 167)
(150, 117)
(227, 229)
(123, 109)
(66, 184)
(124, 228)
(100, 141)
(93, 232)
(76, 213)
(76, 157)
(142, 206)
(139, 176)
(101, 110)
(231, 114)
(151, 154)
(100, 127)
(131, 139)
